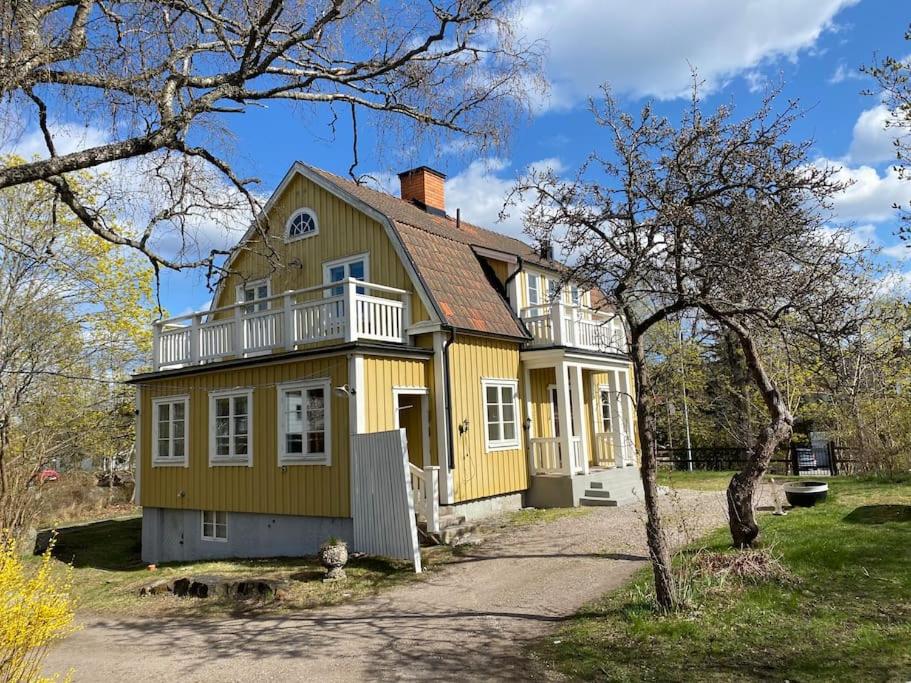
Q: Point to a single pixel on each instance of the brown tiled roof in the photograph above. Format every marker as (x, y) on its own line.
(443, 257)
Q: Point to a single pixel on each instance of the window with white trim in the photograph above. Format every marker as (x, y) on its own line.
(501, 425)
(254, 293)
(304, 423)
(169, 430)
(354, 267)
(231, 427)
(214, 525)
(534, 293)
(606, 410)
(301, 224)
(575, 296)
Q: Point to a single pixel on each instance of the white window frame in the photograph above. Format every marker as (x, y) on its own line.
(215, 525)
(345, 261)
(158, 461)
(285, 458)
(536, 289)
(605, 389)
(231, 460)
(251, 306)
(500, 444)
(294, 238)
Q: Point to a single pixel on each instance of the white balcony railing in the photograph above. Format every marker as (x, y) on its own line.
(283, 322)
(560, 324)
(425, 489)
(613, 449)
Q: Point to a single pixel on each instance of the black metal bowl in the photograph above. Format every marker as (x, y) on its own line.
(806, 494)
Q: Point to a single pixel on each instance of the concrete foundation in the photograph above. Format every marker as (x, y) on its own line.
(554, 491)
(485, 507)
(176, 535)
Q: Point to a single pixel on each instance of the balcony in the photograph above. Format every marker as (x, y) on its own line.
(346, 311)
(560, 324)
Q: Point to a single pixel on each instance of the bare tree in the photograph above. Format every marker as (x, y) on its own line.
(649, 223)
(162, 77)
(893, 78)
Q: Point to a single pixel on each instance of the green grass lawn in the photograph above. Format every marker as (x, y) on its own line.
(845, 617)
(108, 573)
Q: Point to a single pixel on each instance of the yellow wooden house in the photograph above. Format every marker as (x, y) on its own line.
(355, 312)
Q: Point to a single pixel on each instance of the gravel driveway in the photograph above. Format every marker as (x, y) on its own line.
(466, 622)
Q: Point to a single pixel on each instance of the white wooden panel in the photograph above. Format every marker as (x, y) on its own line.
(382, 505)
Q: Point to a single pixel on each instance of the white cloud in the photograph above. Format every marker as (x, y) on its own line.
(646, 48)
(844, 73)
(900, 251)
(67, 137)
(872, 140)
(481, 189)
(871, 196)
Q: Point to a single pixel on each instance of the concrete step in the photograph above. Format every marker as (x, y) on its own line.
(455, 534)
(585, 501)
(451, 520)
(596, 485)
(595, 492)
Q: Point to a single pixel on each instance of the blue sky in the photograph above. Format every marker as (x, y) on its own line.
(644, 50)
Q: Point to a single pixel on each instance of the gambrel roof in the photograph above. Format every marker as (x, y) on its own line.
(441, 250)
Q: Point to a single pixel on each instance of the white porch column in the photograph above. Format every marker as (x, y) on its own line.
(618, 416)
(527, 433)
(630, 428)
(578, 422)
(556, 322)
(565, 422)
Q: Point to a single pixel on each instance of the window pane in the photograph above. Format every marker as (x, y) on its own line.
(336, 273)
(222, 407)
(163, 445)
(493, 413)
(221, 518)
(164, 429)
(240, 445)
(491, 395)
(356, 270)
(509, 431)
(164, 412)
(222, 426)
(179, 409)
(493, 431)
(506, 394)
(179, 448)
(222, 445)
(294, 412)
(294, 443)
(240, 425)
(509, 412)
(316, 442)
(316, 409)
(240, 405)
(178, 429)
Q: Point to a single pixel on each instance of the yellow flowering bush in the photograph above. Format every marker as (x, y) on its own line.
(36, 608)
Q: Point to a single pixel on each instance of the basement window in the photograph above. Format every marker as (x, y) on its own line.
(214, 526)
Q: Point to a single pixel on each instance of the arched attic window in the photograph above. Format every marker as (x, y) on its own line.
(301, 224)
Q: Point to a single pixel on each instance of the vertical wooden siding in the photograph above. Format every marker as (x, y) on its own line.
(295, 490)
(381, 376)
(541, 379)
(343, 231)
(478, 474)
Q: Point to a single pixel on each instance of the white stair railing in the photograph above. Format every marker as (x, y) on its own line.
(425, 486)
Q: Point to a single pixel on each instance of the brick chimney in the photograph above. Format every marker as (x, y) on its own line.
(425, 188)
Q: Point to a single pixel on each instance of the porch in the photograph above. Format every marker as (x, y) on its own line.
(347, 311)
(580, 429)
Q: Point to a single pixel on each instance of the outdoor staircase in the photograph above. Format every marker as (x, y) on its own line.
(597, 496)
(454, 529)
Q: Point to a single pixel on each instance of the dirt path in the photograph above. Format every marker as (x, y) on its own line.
(467, 622)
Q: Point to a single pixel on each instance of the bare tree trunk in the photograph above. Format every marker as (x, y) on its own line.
(742, 489)
(665, 586)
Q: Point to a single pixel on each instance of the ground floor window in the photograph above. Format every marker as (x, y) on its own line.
(230, 416)
(303, 423)
(214, 525)
(169, 430)
(501, 432)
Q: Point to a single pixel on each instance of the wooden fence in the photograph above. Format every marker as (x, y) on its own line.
(382, 504)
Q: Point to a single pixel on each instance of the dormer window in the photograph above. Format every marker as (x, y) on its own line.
(301, 224)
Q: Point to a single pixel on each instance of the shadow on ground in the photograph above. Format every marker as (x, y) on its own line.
(113, 544)
(879, 514)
